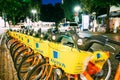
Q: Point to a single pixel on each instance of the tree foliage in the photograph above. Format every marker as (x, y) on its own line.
(18, 9)
(10, 8)
(96, 5)
(68, 7)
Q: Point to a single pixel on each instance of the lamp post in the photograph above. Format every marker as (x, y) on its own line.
(34, 12)
(94, 22)
(77, 9)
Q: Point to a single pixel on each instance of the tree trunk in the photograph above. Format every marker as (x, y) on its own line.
(107, 20)
(13, 20)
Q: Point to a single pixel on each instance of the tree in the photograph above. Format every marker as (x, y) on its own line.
(27, 6)
(68, 7)
(18, 9)
(36, 4)
(93, 5)
(10, 8)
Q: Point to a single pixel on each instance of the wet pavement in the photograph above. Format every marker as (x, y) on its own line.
(7, 70)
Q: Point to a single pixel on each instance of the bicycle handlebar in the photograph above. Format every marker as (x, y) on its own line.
(88, 41)
(114, 42)
(100, 39)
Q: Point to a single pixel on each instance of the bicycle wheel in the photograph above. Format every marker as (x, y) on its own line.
(28, 63)
(7, 42)
(17, 60)
(18, 51)
(16, 48)
(105, 73)
(21, 55)
(12, 46)
(38, 72)
(42, 71)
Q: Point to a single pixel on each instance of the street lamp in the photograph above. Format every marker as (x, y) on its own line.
(77, 10)
(94, 22)
(34, 12)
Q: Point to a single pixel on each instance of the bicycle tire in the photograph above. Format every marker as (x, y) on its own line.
(28, 68)
(15, 59)
(109, 69)
(19, 66)
(107, 73)
(19, 58)
(29, 74)
(13, 45)
(7, 41)
(19, 51)
(35, 58)
(14, 51)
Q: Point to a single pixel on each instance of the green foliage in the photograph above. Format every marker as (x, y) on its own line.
(18, 9)
(97, 5)
(27, 1)
(87, 6)
(68, 7)
(11, 8)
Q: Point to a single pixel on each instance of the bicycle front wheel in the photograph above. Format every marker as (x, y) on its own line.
(105, 72)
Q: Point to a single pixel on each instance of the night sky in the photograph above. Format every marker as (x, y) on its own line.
(50, 1)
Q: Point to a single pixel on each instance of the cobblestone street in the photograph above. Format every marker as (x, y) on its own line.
(7, 71)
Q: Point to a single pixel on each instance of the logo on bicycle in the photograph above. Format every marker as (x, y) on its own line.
(37, 45)
(99, 58)
(98, 55)
(55, 54)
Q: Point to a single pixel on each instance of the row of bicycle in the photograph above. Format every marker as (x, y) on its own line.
(23, 57)
(62, 62)
(50, 54)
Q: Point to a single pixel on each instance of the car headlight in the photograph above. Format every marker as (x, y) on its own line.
(79, 42)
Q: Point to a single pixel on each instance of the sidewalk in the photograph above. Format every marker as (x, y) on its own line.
(7, 71)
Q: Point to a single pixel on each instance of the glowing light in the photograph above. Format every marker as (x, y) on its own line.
(77, 8)
(34, 11)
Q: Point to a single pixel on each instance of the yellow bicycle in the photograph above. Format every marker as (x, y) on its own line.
(66, 56)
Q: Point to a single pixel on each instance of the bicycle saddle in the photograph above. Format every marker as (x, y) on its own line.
(118, 56)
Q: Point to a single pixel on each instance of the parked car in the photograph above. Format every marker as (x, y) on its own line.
(69, 26)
